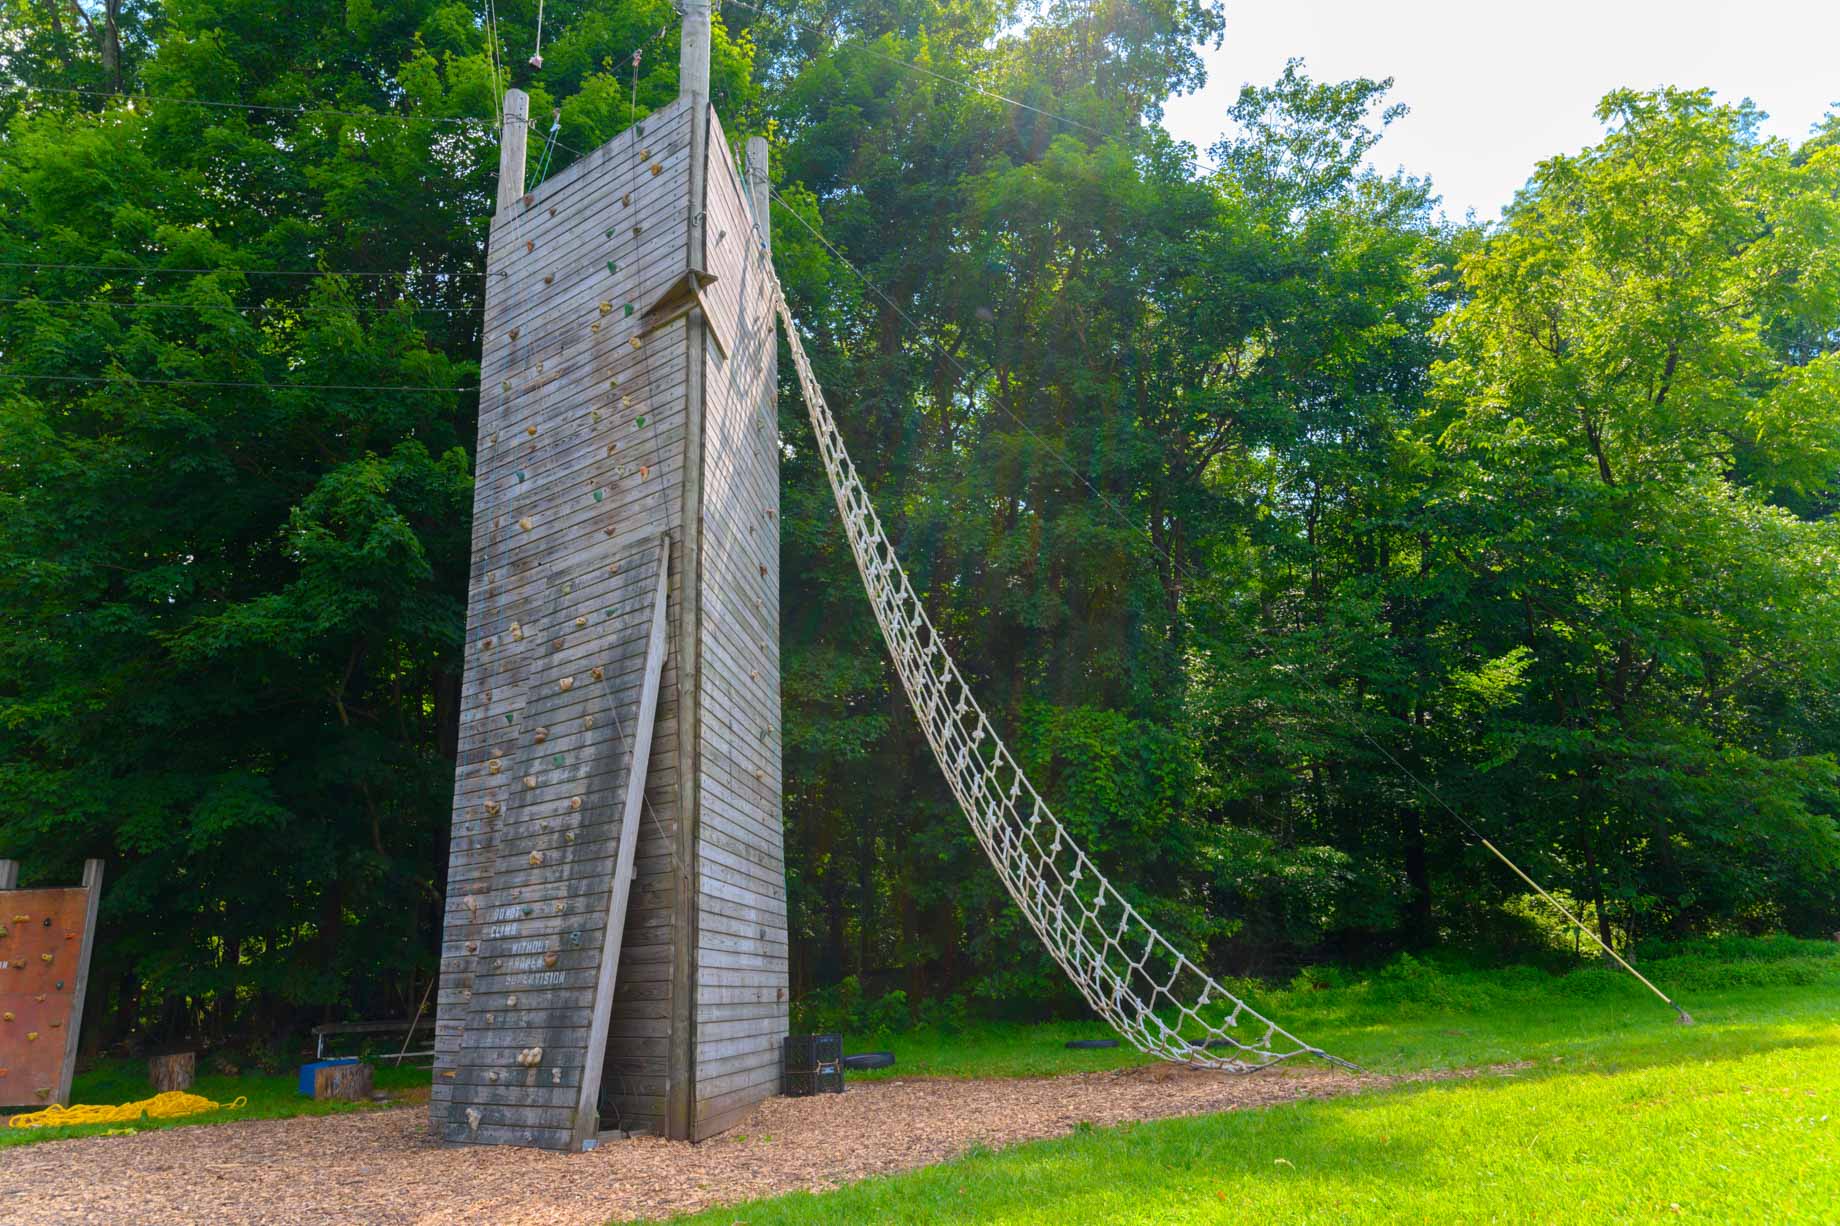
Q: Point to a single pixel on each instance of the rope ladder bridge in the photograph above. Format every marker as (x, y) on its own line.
(1150, 992)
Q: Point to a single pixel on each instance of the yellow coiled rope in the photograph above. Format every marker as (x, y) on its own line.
(167, 1106)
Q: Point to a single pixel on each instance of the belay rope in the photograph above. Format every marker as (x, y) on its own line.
(1150, 992)
(170, 1105)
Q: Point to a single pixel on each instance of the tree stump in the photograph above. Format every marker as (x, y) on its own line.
(351, 1082)
(173, 1071)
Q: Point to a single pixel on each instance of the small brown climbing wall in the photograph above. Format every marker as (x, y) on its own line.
(594, 442)
(42, 954)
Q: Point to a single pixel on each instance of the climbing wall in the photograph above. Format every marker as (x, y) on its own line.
(46, 936)
(604, 433)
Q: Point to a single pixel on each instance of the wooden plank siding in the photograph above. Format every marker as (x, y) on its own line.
(741, 895)
(589, 447)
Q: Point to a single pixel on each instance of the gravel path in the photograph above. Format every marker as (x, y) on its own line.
(382, 1167)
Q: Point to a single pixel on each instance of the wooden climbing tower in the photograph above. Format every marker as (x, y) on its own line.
(615, 940)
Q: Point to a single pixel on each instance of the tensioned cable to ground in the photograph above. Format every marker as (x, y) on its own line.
(1316, 691)
(248, 272)
(131, 381)
(243, 308)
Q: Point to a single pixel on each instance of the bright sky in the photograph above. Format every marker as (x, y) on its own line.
(1495, 87)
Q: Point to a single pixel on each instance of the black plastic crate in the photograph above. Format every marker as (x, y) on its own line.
(811, 1064)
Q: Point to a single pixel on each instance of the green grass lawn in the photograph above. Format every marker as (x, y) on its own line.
(1619, 1115)
(270, 1097)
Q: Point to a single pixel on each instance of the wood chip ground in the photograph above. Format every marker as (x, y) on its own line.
(379, 1167)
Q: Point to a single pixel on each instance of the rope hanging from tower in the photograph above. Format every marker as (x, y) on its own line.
(1151, 993)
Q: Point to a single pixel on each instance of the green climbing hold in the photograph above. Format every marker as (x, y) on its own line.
(520, 476)
(557, 759)
(510, 718)
(639, 421)
(609, 231)
(598, 495)
(629, 310)
(611, 266)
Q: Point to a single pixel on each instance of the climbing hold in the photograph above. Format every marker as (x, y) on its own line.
(504, 385)
(483, 643)
(550, 959)
(512, 335)
(472, 947)
(555, 1074)
(566, 684)
(557, 760)
(511, 1001)
(517, 631)
(638, 230)
(625, 402)
(595, 672)
(7, 1016)
(609, 231)
(626, 200)
(613, 570)
(519, 474)
(645, 470)
(645, 155)
(494, 766)
(634, 342)
(763, 570)
(599, 494)
(472, 1120)
(639, 420)
(530, 783)
(536, 858)
(552, 210)
(587, 721)
(31, 1036)
(606, 309)
(492, 1076)
(574, 802)
(549, 278)
(530, 1057)
(629, 310)
(531, 430)
(595, 327)
(657, 170)
(541, 735)
(530, 245)
(580, 622)
(754, 675)
(524, 523)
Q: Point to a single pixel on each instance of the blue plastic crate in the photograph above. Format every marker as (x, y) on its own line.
(307, 1071)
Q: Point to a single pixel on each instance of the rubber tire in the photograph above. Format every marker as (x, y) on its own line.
(1090, 1044)
(868, 1060)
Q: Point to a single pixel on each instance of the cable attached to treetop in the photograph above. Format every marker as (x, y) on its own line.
(1686, 1019)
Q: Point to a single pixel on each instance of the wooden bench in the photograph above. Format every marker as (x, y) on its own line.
(403, 1026)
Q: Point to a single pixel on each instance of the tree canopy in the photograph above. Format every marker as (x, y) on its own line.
(1278, 520)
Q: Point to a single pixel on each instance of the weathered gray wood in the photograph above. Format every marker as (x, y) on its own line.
(587, 1118)
(512, 138)
(589, 449)
(92, 887)
(9, 874)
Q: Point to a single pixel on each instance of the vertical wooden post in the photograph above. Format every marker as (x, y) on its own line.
(758, 192)
(92, 886)
(9, 874)
(680, 1058)
(512, 139)
(693, 66)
